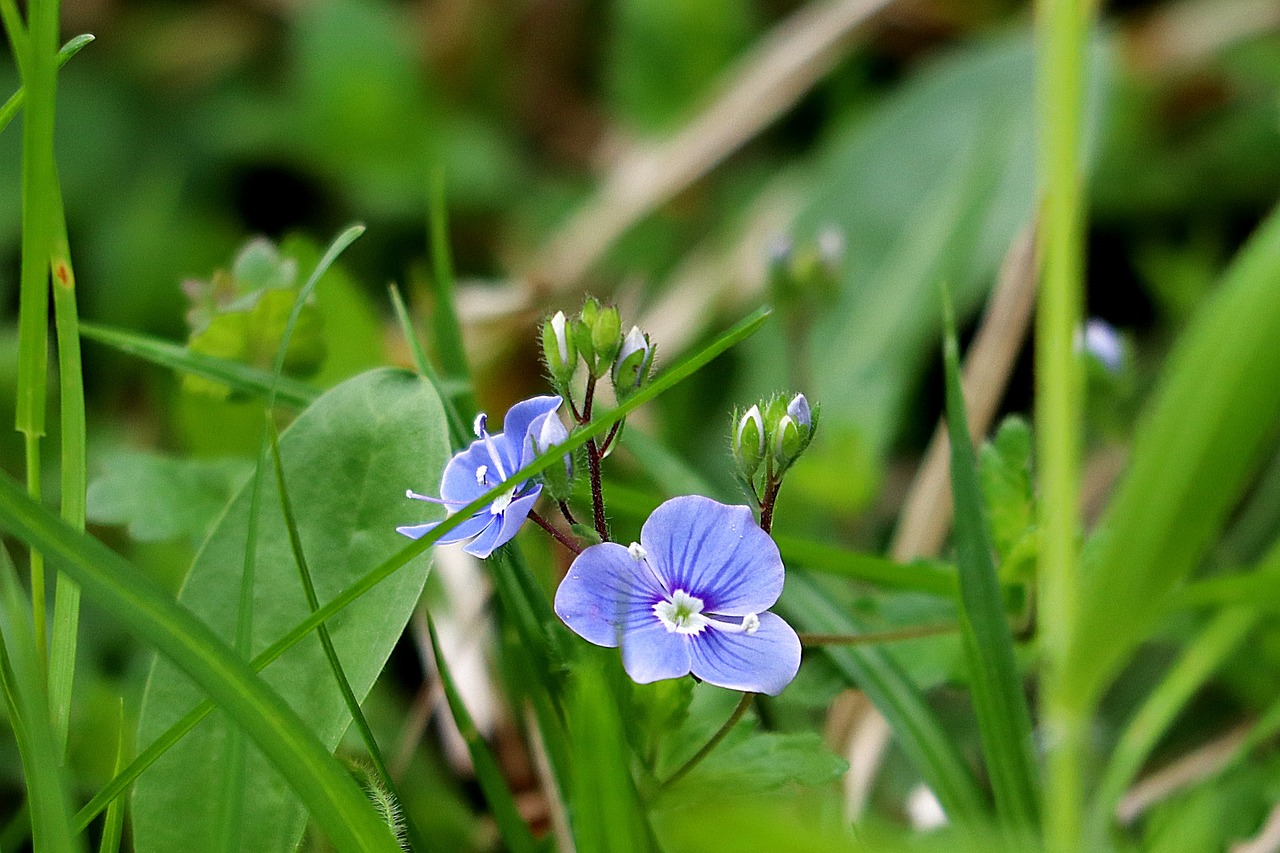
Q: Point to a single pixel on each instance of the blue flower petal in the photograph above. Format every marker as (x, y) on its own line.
(516, 426)
(763, 662)
(607, 594)
(460, 485)
(651, 653)
(471, 527)
(715, 552)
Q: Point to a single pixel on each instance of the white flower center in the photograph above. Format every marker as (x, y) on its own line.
(502, 501)
(682, 614)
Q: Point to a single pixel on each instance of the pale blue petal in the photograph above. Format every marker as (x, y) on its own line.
(471, 527)
(459, 485)
(715, 552)
(504, 528)
(546, 431)
(651, 653)
(607, 594)
(517, 424)
(762, 662)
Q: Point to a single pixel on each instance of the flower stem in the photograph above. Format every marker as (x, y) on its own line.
(593, 465)
(567, 513)
(743, 704)
(556, 534)
(874, 637)
(766, 505)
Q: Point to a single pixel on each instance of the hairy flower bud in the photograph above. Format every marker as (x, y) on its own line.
(559, 349)
(631, 368)
(748, 442)
(606, 338)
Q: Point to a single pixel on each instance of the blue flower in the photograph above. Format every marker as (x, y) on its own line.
(487, 462)
(690, 596)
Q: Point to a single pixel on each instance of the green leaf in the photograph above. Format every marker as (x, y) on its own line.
(339, 807)
(1209, 422)
(241, 378)
(759, 762)
(348, 459)
(27, 705)
(926, 743)
(1004, 720)
(161, 498)
(1004, 468)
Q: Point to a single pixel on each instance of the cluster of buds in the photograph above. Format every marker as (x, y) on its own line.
(595, 337)
(767, 440)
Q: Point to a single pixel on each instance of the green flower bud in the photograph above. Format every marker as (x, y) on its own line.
(748, 442)
(632, 366)
(582, 332)
(559, 349)
(606, 338)
(787, 442)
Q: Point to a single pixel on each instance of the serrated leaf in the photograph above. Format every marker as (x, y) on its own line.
(756, 762)
(161, 498)
(347, 457)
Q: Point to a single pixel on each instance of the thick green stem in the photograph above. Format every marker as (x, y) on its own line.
(1063, 29)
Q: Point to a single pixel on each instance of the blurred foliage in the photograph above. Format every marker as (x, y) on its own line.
(221, 143)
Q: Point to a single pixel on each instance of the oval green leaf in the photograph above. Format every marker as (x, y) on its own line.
(348, 460)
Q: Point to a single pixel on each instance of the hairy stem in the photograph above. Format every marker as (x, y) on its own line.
(556, 534)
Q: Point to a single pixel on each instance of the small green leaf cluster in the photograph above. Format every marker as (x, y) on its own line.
(241, 314)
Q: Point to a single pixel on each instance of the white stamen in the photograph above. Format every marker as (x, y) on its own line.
(482, 475)
(750, 624)
(478, 427)
(636, 551)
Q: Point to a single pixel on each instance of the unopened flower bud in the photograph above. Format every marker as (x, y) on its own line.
(1100, 339)
(558, 348)
(799, 411)
(606, 338)
(786, 442)
(748, 442)
(631, 368)
(582, 330)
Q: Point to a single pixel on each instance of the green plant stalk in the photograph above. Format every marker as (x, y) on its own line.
(448, 331)
(16, 100)
(1063, 27)
(667, 380)
(36, 51)
(28, 711)
(709, 747)
(326, 641)
(336, 803)
(1004, 721)
(1202, 657)
(511, 827)
(113, 824)
(66, 601)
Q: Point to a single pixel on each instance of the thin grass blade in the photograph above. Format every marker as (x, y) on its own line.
(16, 100)
(1004, 719)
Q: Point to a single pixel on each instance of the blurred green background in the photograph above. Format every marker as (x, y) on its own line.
(669, 154)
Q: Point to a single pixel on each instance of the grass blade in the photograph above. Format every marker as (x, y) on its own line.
(337, 804)
(514, 831)
(75, 477)
(239, 377)
(458, 434)
(927, 577)
(16, 100)
(448, 331)
(113, 824)
(1224, 633)
(926, 743)
(1215, 412)
(28, 712)
(1004, 720)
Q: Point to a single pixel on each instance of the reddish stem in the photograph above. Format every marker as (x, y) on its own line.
(559, 537)
(766, 505)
